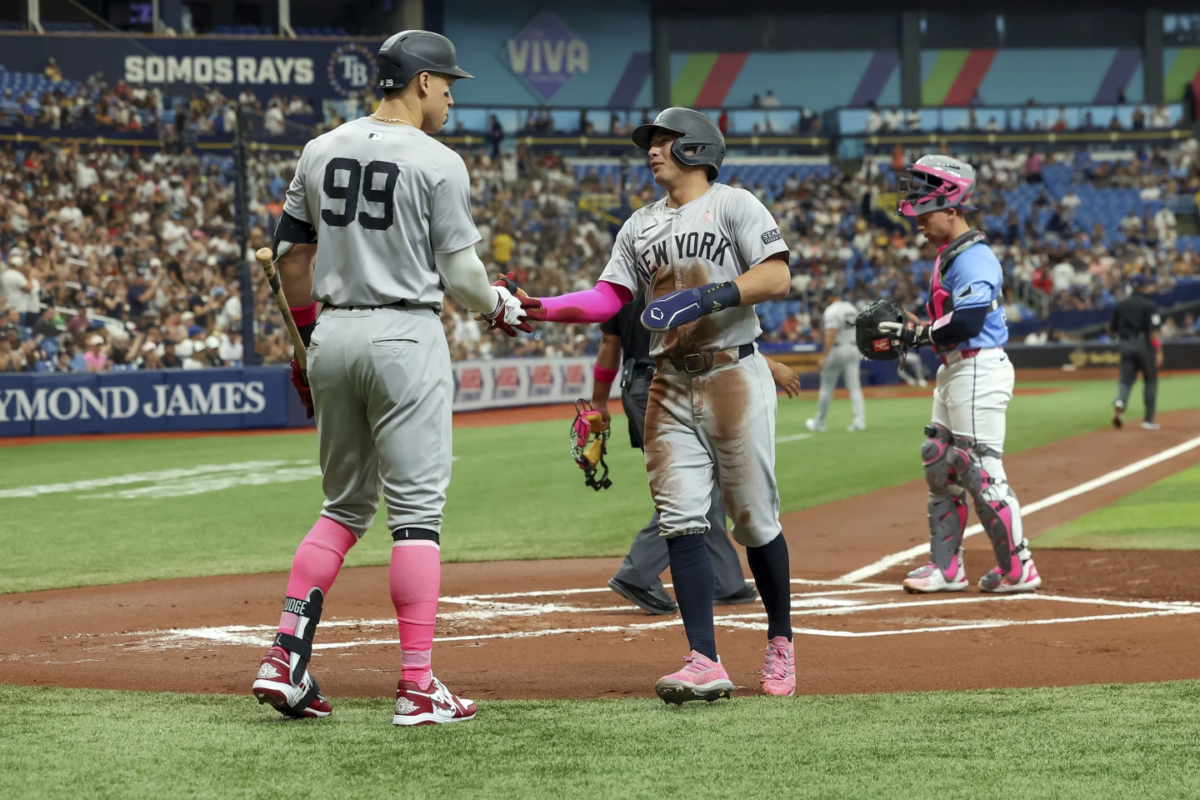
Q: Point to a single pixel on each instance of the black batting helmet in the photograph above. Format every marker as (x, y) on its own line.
(696, 132)
(407, 53)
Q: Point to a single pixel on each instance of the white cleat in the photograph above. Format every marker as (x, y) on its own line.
(996, 582)
(929, 579)
(1150, 426)
(856, 426)
(814, 426)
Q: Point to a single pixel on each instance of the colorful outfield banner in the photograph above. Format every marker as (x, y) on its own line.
(1044, 75)
(1181, 66)
(846, 77)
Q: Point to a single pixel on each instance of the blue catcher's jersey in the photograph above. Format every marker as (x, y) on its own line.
(976, 279)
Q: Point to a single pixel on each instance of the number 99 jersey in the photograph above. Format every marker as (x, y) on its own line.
(380, 201)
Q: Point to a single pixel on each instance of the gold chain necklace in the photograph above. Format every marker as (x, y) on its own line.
(378, 118)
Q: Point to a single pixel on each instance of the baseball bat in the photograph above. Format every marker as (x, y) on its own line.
(265, 260)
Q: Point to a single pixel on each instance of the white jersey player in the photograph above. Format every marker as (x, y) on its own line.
(377, 223)
(840, 359)
(703, 256)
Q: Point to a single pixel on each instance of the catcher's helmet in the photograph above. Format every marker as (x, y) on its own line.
(935, 183)
(407, 53)
(873, 343)
(696, 132)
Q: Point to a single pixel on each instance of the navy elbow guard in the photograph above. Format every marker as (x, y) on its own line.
(961, 325)
(688, 305)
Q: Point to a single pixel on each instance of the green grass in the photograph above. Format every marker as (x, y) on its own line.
(515, 493)
(1163, 516)
(1085, 742)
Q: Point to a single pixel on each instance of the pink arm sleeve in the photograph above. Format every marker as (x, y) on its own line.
(595, 305)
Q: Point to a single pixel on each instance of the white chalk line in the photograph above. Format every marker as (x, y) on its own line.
(807, 604)
(887, 562)
(796, 437)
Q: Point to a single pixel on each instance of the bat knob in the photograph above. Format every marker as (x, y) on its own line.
(264, 255)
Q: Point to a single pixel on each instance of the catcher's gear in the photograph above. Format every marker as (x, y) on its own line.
(874, 342)
(589, 443)
(935, 183)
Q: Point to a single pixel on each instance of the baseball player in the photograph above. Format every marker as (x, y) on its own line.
(1135, 323)
(965, 444)
(839, 359)
(703, 256)
(376, 225)
(638, 578)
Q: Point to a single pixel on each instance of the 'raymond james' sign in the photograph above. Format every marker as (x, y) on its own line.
(546, 53)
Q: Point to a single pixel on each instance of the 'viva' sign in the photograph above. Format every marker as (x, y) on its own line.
(546, 53)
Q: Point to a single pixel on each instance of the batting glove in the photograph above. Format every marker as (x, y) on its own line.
(512, 308)
(300, 381)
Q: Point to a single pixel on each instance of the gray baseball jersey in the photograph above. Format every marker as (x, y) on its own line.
(841, 315)
(712, 239)
(383, 199)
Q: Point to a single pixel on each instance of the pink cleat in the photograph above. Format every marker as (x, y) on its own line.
(779, 668)
(700, 679)
(930, 579)
(996, 582)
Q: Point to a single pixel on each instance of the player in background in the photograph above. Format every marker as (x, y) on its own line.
(376, 225)
(703, 256)
(965, 444)
(839, 359)
(1135, 324)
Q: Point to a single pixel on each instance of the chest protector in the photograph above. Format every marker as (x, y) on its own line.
(940, 302)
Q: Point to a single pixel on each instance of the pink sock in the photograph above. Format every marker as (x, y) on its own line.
(415, 579)
(317, 561)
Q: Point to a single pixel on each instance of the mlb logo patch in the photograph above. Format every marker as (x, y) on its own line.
(373, 135)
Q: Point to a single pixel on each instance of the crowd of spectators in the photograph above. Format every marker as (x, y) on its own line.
(116, 259)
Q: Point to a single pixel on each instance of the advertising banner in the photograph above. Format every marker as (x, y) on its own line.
(522, 382)
(266, 66)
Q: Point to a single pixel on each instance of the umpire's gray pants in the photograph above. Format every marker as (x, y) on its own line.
(647, 556)
(383, 394)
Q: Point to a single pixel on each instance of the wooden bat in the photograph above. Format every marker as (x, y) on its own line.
(266, 261)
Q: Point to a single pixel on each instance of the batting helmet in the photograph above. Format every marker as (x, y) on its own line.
(935, 183)
(409, 52)
(695, 131)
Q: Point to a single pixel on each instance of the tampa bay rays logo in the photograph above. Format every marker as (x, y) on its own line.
(351, 68)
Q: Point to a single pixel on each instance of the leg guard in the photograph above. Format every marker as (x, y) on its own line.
(944, 463)
(299, 647)
(999, 513)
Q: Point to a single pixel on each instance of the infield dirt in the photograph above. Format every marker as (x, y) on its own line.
(558, 633)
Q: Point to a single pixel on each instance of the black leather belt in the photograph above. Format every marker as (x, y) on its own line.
(694, 363)
(406, 304)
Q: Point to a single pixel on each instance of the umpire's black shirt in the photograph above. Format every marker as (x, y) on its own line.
(627, 324)
(1134, 318)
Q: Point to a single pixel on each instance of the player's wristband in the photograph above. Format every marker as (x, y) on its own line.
(602, 375)
(718, 296)
(305, 318)
(1157, 343)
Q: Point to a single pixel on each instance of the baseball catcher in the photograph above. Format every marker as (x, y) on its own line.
(965, 441)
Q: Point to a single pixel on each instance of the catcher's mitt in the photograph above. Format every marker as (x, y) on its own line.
(873, 343)
(589, 437)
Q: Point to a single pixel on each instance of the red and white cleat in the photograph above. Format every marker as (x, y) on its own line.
(432, 705)
(700, 679)
(291, 694)
(996, 582)
(779, 668)
(929, 578)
